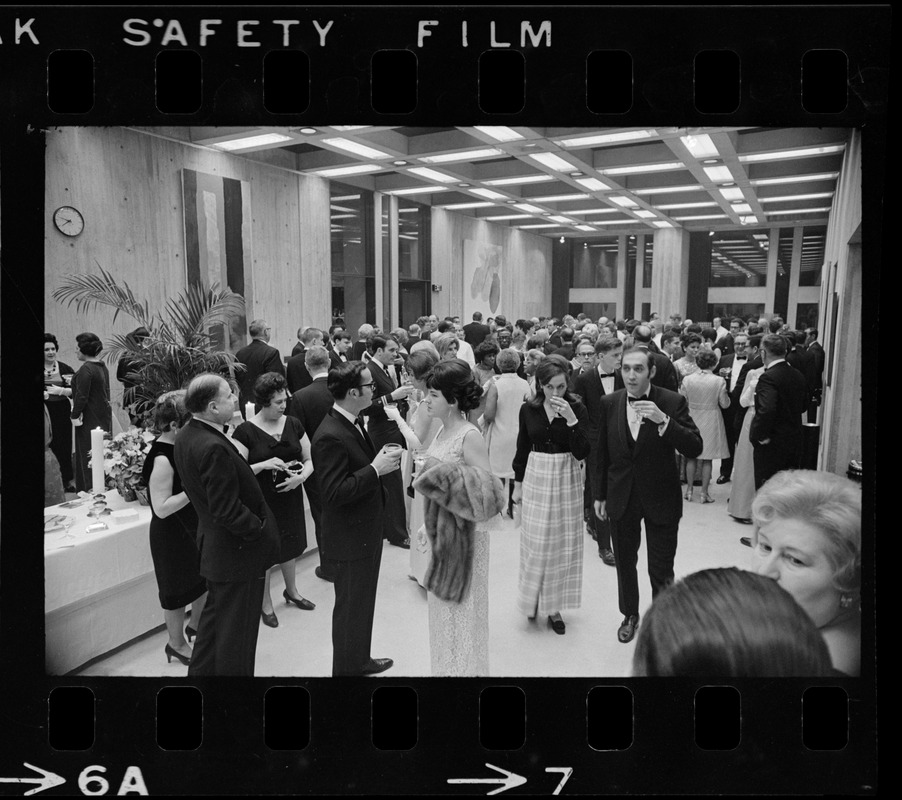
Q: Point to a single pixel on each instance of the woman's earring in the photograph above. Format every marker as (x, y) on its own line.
(846, 601)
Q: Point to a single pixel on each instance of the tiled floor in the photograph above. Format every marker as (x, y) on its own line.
(301, 645)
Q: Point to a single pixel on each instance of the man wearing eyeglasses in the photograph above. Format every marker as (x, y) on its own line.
(350, 473)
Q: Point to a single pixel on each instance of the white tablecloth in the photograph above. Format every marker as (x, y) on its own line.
(101, 592)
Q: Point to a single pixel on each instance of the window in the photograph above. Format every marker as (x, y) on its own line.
(593, 264)
(353, 261)
(814, 240)
(414, 261)
(739, 258)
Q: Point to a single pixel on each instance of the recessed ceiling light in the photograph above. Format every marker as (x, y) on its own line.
(246, 142)
(475, 204)
(623, 202)
(577, 211)
(701, 216)
(576, 174)
(552, 161)
(488, 193)
(732, 193)
(356, 148)
(528, 207)
(522, 179)
(751, 220)
(664, 166)
(505, 217)
(742, 208)
(801, 152)
(644, 214)
(309, 131)
(432, 174)
(499, 133)
(700, 145)
(790, 211)
(593, 184)
(542, 225)
(820, 176)
(676, 206)
(558, 218)
(791, 197)
(606, 138)
(399, 163)
(463, 185)
(662, 224)
(669, 189)
(510, 202)
(627, 221)
(709, 161)
(354, 169)
(419, 190)
(584, 228)
(463, 155)
(719, 174)
(345, 197)
(561, 198)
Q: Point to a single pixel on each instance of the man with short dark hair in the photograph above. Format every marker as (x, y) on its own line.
(665, 372)
(350, 471)
(640, 430)
(237, 535)
(340, 348)
(781, 397)
(295, 368)
(816, 361)
(476, 331)
(730, 368)
(725, 343)
(258, 358)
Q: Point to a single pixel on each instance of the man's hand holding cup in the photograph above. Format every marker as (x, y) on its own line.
(388, 459)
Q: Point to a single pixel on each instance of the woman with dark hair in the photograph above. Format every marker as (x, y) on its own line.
(173, 530)
(691, 344)
(552, 441)
(125, 367)
(461, 498)
(485, 353)
(807, 535)
(728, 623)
(57, 380)
(90, 406)
(278, 450)
(706, 394)
(709, 338)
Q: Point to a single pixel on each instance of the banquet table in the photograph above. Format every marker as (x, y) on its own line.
(99, 588)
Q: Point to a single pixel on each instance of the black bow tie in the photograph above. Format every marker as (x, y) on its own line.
(742, 358)
(634, 399)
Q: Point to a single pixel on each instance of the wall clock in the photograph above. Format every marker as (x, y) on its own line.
(68, 221)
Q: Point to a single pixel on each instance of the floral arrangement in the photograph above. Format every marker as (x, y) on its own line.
(123, 461)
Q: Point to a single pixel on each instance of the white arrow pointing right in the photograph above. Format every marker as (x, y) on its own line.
(47, 781)
(509, 781)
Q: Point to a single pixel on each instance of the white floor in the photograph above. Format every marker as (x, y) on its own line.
(301, 645)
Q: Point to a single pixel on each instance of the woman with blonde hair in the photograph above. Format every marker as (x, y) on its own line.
(447, 345)
(807, 536)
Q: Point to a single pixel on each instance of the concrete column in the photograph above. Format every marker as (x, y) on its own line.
(670, 272)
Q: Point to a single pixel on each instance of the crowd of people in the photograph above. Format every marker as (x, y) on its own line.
(570, 427)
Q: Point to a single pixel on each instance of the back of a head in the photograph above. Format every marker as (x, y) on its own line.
(729, 623)
(317, 358)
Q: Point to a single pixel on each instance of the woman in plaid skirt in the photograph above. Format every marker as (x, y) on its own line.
(548, 479)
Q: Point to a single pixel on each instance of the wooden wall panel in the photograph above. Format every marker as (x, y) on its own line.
(128, 186)
(526, 287)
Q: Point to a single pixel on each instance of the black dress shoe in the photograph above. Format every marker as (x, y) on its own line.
(190, 633)
(743, 520)
(322, 575)
(403, 543)
(557, 625)
(300, 602)
(377, 665)
(627, 629)
(270, 620)
(745, 540)
(606, 555)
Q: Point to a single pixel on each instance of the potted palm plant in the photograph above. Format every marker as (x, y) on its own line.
(185, 338)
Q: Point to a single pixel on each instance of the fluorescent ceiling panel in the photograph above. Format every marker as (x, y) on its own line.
(553, 161)
(702, 216)
(578, 211)
(593, 184)
(349, 127)
(528, 207)
(584, 228)
(800, 152)
(356, 169)
(732, 193)
(432, 174)
(719, 174)
(356, 148)
(419, 190)
(792, 211)
(662, 224)
(700, 145)
(252, 141)
(694, 187)
(543, 225)
(475, 204)
(522, 179)
(675, 206)
(623, 202)
(742, 208)
(666, 166)
(790, 197)
(505, 217)
(819, 176)
(561, 198)
(560, 219)
(467, 155)
(500, 133)
(644, 214)
(606, 138)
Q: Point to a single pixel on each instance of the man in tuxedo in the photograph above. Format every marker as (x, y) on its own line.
(349, 472)
(816, 360)
(476, 331)
(583, 362)
(299, 345)
(258, 358)
(726, 343)
(670, 345)
(665, 372)
(295, 368)
(637, 477)
(383, 352)
(237, 535)
(730, 368)
(311, 405)
(602, 380)
(566, 348)
(340, 348)
(781, 397)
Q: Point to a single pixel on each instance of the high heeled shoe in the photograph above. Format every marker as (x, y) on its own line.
(300, 602)
(271, 620)
(688, 496)
(170, 654)
(190, 633)
(705, 498)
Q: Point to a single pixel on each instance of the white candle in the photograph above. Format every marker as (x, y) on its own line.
(97, 474)
(249, 410)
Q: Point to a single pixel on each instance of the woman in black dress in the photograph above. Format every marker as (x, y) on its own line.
(90, 405)
(173, 529)
(57, 379)
(278, 450)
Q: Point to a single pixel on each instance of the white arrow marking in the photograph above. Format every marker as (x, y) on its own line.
(510, 780)
(48, 781)
(565, 771)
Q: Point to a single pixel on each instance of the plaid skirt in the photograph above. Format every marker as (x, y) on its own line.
(551, 535)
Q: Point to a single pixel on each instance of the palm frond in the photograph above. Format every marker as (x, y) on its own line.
(197, 308)
(90, 291)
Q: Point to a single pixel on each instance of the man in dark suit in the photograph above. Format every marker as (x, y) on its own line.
(258, 358)
(340, 348)
(603, 379)
(237, 535)
(383, 356)
(726, 344)
(781, 397)
(730, 368)
(665, 372)
(349, 472)
(299, 345)
(566, 347)
(295, 369)
(637, 477)
(311, 405)
(816, 360)
(796, 355)
(476, 331)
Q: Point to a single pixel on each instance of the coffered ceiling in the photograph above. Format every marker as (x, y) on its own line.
(571, 182)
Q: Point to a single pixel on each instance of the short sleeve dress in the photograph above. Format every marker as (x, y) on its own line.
(176, 561)
(287, 507)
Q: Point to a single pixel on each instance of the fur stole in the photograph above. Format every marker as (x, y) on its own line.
(456, 498)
